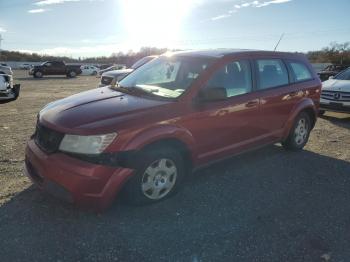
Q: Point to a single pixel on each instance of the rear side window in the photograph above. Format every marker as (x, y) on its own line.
(272, 73)
(300, 72)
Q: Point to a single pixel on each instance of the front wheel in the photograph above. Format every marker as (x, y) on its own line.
(158, 175)
(299, 133)
(38, 74)
(321, 112)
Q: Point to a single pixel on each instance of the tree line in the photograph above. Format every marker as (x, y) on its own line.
(336, 53)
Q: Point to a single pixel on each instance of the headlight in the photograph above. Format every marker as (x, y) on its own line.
(86, 144)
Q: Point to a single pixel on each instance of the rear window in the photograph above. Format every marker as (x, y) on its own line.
(272, 73)
(300, 71)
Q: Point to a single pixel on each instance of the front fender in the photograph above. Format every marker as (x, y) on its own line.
(304, 104)
(160, 133)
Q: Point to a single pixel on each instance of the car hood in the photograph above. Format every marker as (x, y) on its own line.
(116, 73)
(95, 111)
(336, 85)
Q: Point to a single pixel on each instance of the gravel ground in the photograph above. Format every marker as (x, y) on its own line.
(267, 205)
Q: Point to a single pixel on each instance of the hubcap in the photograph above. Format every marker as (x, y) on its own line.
(159, 178)
(301, 131)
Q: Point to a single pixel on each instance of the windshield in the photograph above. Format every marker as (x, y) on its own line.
(142, 62)
(166, 76)
(345, 75)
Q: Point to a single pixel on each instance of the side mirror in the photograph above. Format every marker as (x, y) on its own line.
(331, 77)
(211, 94)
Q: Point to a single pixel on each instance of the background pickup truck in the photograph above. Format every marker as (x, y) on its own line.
(55, 68)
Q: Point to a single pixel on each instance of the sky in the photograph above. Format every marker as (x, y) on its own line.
(86, 28)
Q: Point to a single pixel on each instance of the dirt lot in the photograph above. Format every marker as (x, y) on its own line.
(267, 205)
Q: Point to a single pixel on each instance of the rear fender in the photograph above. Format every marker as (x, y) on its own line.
(305, 104)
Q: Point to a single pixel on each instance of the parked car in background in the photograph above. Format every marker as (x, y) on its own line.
(8, 91)
(331, 70)
(111, 68)
(4, 69)
(112, 77)
(55, 68)
(174, 114)
(336, 93)
(25, 66)
(88, 70)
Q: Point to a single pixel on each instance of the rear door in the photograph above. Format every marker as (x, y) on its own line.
(277, 95)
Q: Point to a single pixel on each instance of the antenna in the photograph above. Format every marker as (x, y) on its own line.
(279, 41)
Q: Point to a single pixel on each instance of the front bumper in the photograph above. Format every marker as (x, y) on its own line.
(75, 181)
(336, 106)
(10, 94)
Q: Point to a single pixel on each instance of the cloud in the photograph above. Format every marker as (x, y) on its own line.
(266, 3)
(36, 11)
(53, 2)
(220, 17)
(260, 3)
(245, 4)
(2, 30)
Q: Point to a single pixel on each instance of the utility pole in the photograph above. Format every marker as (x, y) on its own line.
(1, 40)
(0, 43)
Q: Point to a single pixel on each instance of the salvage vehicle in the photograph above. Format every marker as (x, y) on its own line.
(112, 77)
(55, 68)
(111, 68)
(5, 69)
(179, 112)
(335, 94)
(89, 70)
(8, 91)
(331, 70)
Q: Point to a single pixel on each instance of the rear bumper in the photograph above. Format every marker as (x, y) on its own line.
(72, 180)
(334, 106)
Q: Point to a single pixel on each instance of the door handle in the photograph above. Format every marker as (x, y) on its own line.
(252, 103)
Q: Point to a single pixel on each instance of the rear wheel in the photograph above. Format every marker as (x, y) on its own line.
(72, 74)
(158, 175)
(299, 134)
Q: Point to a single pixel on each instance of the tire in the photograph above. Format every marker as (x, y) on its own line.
(72, 74)
(299, 133)
(321, 112)
(38, 74)
(158, 175)
(2, 73)
(94, 73)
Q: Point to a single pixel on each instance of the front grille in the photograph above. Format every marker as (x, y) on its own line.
(106, 80)
(336, 96)
(47, 139)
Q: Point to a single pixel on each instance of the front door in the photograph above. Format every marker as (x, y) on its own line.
(225, 122)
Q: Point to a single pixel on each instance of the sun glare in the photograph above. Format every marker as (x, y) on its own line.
(154, 22)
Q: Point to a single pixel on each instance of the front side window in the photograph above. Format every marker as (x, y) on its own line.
(272, 73)
(166, 76)
(235, 78)
(300, 71)
(345, 75)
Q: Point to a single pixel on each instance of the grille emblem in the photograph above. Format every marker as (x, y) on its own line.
(337, 96)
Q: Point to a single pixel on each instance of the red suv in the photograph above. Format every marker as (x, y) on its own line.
(180, 111)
